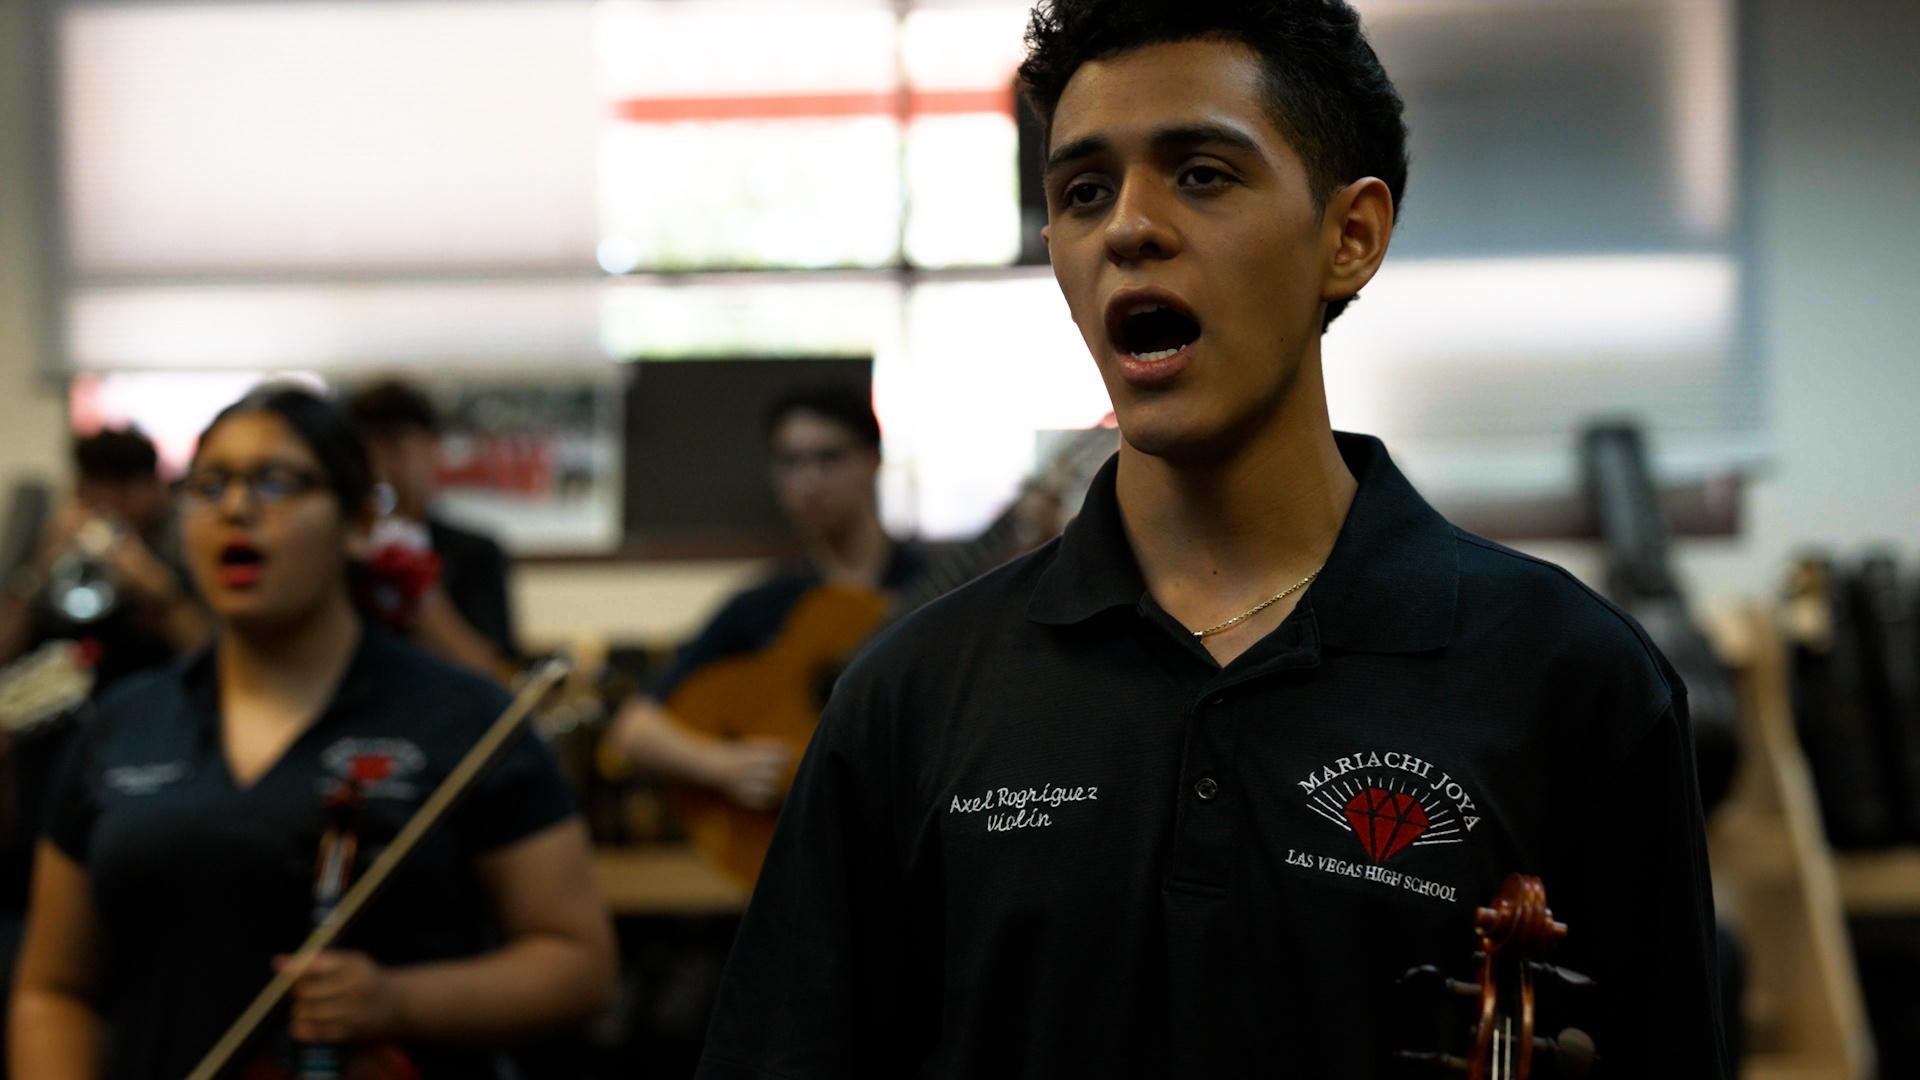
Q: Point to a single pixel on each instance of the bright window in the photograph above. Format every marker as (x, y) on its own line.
(470, 187)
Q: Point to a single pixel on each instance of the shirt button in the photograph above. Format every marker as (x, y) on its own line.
(1206, 788)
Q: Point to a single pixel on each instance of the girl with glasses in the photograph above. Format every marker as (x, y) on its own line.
(180, 861)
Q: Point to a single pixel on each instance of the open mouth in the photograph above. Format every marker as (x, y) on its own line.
(240, 563)
(1152, 329)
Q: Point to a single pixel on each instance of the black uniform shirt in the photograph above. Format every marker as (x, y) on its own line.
(1041, 833)
(199, 882)
(473, 571)
(753, 618)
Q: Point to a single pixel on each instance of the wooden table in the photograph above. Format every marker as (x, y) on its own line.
(665, 879)
(1880, 883)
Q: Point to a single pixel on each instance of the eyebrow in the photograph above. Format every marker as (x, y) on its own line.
(1183, 136)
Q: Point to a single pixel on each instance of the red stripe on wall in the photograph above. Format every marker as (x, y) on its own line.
(813, 106)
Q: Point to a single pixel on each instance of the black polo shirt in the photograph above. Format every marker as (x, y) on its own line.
(754, 617)
(473, 571)
(1041, 833)
(199, 882)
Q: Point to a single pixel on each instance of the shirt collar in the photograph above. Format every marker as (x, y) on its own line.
(200, 675)
(1389, 586)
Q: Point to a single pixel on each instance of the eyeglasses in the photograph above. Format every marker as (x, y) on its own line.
(824, 459)
(268, 484)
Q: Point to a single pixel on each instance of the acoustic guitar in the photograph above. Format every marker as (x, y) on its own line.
(779, 691)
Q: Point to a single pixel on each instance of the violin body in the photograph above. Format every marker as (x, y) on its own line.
(335, 905)
(334, 863)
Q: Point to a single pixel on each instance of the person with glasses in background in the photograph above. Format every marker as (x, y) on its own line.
(823, 458)
(179, 863)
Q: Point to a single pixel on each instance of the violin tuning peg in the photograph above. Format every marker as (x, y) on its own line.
(1569, 1055)
(1427, 976)
(1425, 973)
(1565, 977)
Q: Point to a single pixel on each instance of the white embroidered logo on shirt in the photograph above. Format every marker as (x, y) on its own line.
(143, 779)
(1388, 802)
(376, 766)
(1391, 802)
(1008, 809)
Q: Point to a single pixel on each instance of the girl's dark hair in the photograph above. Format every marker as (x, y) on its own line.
(1325, 88)
(325, 429)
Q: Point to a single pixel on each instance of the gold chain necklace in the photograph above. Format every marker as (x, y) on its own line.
(1261, 606)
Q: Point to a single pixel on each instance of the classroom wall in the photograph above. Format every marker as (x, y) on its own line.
(1832, 185)
(1833, 212)
(32, 417)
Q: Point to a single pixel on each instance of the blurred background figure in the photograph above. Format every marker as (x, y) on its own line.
(107, 572)
(102, 596)
(823, 461)
(466, 617)
(724, 724)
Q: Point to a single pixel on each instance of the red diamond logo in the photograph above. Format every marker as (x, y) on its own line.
(1385, 821)
(370, 768)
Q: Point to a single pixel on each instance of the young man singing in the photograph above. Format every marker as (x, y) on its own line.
(1186, 792)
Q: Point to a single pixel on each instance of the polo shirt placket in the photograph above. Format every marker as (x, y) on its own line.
(1212, 801)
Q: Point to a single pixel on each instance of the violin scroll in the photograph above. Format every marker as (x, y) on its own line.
(1515, 934)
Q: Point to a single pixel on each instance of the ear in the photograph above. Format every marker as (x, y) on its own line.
(1046, 236)
(1356, 228)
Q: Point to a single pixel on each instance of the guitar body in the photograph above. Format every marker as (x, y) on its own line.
(775, 693)
(779, 691)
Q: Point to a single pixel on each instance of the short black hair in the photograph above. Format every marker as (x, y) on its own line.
(849, 406)
(1326, 90)
(116, 455)
(390, 406)
(323, 426)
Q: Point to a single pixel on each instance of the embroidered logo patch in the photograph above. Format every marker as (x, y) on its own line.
(379, 767)
(1007, 809)
(143, 779)
(1385, 821)
(1391, 802)
(1388, 802)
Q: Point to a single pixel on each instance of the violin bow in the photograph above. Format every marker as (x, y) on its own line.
(537, 687)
